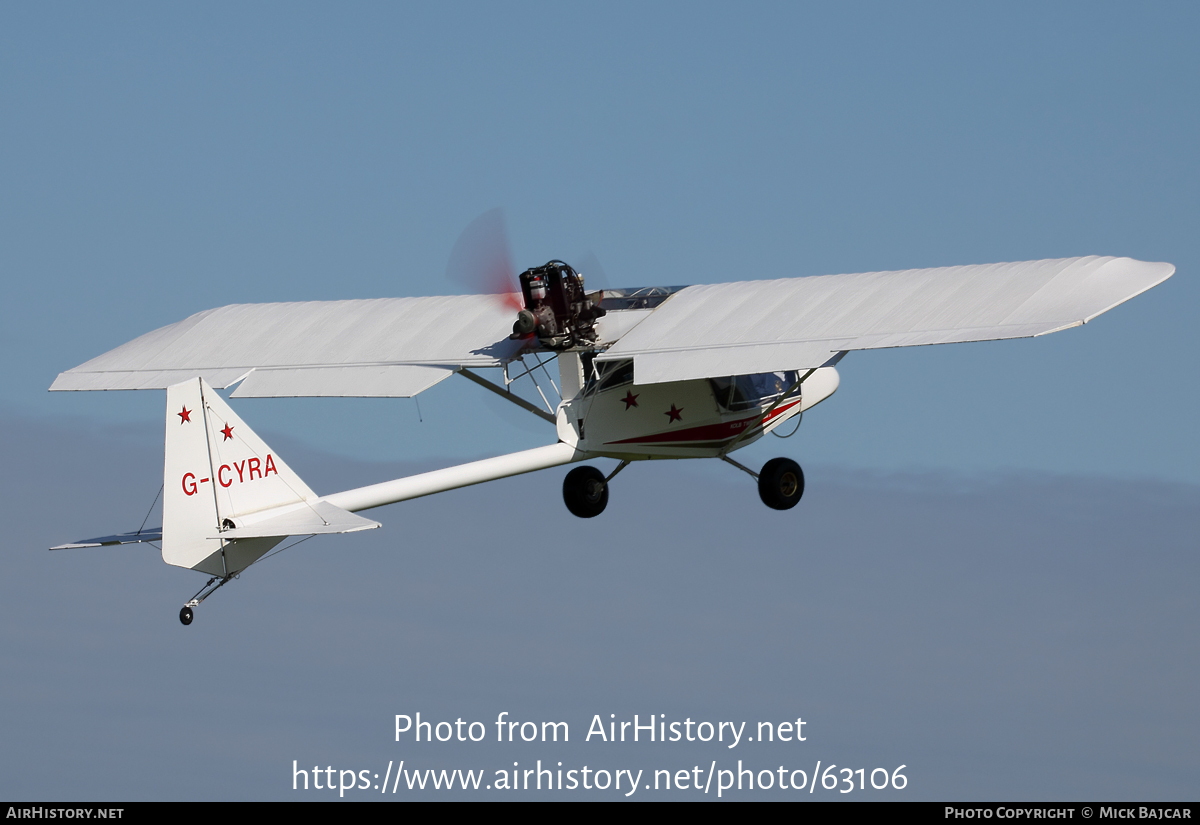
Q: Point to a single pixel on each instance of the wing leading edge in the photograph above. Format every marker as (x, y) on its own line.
(798, 323)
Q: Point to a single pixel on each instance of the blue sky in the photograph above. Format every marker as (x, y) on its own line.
(164, 160)
(158, 160)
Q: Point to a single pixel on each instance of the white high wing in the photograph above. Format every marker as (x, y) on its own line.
(652, 373)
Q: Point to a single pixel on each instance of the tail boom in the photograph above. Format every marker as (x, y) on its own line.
(229, 499)
(463, 475)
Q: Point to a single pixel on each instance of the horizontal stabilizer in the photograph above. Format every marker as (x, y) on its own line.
(302, 519)
(153, 534)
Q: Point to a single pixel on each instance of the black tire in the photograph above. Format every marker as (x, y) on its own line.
(585, 492)
(185, 615)
(781, 484)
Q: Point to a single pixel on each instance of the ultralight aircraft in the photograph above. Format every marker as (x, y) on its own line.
(648, 373)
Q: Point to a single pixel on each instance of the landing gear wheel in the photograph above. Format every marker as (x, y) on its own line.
(585, 492)
(781, 484)
(185, 615)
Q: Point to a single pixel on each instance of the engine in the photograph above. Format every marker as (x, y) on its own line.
(557, 309)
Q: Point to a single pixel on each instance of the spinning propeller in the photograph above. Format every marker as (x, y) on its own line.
(481, 260)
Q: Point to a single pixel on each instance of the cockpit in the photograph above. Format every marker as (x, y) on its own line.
(744, 392)
(733, 394)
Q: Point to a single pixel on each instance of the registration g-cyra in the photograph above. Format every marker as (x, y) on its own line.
(662, 372)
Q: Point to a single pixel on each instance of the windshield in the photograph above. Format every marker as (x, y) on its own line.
(611, 374)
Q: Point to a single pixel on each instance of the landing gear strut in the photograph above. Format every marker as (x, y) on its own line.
(185, 614)
(781, 484)
(585, 492)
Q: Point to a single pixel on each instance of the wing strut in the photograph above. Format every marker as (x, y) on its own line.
(516, 399)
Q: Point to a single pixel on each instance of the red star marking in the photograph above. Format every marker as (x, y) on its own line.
(674, 414)
(227, 432)
(186, 415)
(630, 399)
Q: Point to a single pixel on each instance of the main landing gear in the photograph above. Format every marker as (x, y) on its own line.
(780, 486)
(585, 492)
(780, 482)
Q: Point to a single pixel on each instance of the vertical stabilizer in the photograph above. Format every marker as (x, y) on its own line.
(217, 470)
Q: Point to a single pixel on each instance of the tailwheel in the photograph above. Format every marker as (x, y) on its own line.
(585, 492)
(781, 484)
(214, 584)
